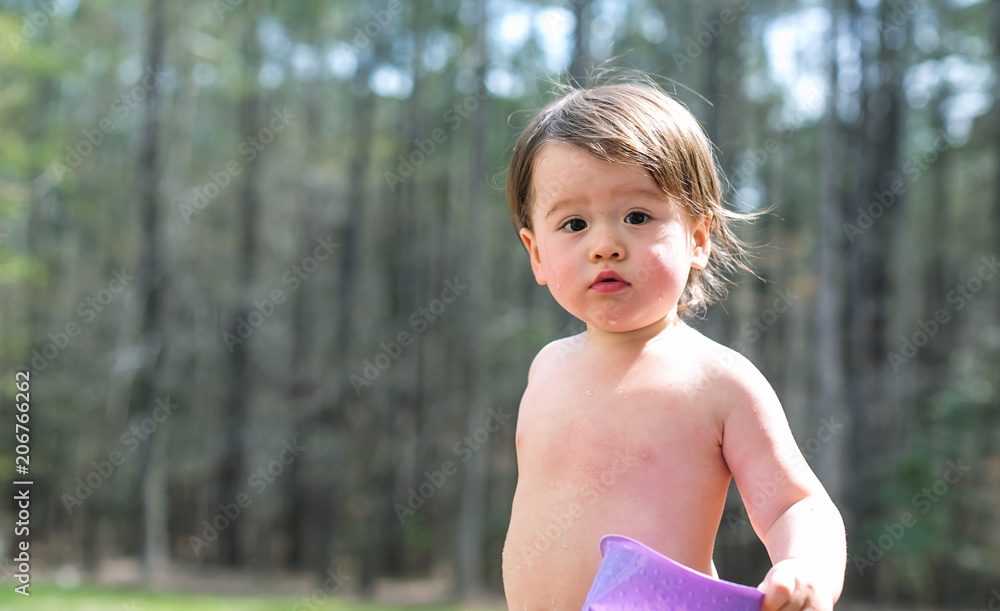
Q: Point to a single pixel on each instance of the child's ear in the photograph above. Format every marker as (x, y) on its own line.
(701, 242)
(536, 262)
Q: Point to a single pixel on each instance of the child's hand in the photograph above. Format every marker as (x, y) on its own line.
(795, 584)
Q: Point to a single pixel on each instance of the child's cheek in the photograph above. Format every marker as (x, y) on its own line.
(654, 266)
(662, 270)
(561, 273)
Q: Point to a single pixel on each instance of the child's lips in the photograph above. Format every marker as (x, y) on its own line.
(609, 281)
(609, 287)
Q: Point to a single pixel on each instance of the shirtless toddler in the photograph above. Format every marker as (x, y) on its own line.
(636, 425)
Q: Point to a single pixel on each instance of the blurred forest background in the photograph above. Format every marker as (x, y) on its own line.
(258, 261)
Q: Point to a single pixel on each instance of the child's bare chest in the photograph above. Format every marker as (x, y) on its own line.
(584, 418)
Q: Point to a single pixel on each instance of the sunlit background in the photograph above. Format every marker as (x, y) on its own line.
(219, 219)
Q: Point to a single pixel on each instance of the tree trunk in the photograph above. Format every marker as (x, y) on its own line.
(712, 80)
(996, 124)
(929, 373)
(234, 422)
(581, 61)
(469, 536)
(344, 293)
(156, 504)
(872, 410)
(829, 356)
(719, 317)
(152, 520)
(302, 385)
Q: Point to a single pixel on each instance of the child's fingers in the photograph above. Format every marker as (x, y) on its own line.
(778, 588)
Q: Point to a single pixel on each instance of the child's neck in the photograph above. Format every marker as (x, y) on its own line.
(637, 338)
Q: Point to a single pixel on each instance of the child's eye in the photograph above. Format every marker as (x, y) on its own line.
(636, 218)
(574, 225)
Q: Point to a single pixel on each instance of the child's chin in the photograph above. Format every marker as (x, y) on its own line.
(612, 326)
(624, 325)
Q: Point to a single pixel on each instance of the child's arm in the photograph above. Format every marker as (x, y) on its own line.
(806, 545)
(787, 505)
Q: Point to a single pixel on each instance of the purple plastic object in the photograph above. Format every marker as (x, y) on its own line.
(634, 576)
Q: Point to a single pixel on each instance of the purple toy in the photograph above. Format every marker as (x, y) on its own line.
(634, 576)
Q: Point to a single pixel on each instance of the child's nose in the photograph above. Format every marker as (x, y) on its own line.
(607, 246)
(608, 254)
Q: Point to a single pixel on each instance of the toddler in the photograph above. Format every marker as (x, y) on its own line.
(636, 425)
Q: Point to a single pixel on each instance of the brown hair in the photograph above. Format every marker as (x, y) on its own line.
(639, 124)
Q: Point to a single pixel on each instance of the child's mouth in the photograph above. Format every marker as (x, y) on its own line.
(608, 281)
(609, 286)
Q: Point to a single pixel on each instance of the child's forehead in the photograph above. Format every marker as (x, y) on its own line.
(554, 158)
(561, 167)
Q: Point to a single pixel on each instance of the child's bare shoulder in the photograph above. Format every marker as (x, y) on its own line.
(552, 354)
(725, 373)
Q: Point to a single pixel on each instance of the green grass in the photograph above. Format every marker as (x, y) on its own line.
(51, 598)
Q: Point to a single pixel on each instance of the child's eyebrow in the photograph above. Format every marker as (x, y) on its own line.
(644, 191)
(559, 204)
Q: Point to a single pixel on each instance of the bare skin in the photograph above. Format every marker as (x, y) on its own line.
(606, 443)
(637, 426)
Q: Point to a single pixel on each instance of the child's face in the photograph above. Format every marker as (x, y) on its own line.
(590, 216)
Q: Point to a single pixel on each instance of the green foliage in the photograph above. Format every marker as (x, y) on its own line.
(50, 598)
(230, 63)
